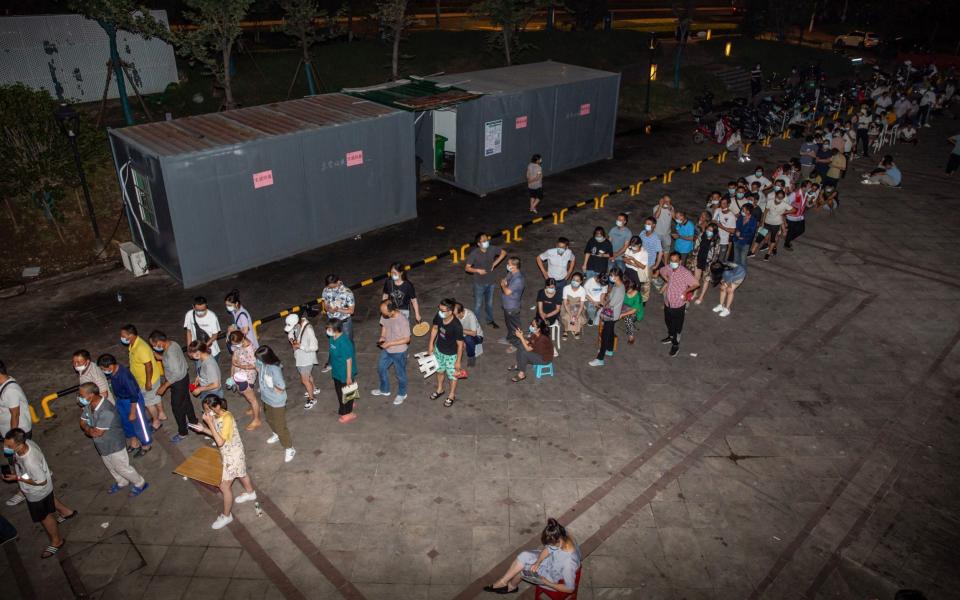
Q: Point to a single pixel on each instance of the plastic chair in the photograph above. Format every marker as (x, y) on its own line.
(555, 337)
(544, 370)
(542, 593)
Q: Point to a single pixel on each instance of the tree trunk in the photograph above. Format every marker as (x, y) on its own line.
(843, 14)
(436, 14)
(307, 67)
(115, 64)
(349, 22)
(506, 44)
(227, 84)
(396, 52)
(813, 16)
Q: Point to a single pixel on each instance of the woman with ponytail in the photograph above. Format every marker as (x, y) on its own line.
(555, 566)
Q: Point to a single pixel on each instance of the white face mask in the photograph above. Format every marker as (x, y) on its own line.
(329, 333)
(674, 265)
(395, 276)
(484, 245)
(647, 227)
(550, 291)
(80, 369)
(575, 284)
(621, 223)
(443, 315)
(599, 238)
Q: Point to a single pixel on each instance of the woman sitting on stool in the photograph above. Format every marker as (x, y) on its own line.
(537, 348)
(558, 561)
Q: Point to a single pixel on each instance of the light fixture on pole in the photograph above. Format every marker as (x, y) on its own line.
(69, 121)
(651, 71)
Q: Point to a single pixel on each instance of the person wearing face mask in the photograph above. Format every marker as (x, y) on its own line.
(219, 424)
(651, 242)
(632, 309)
(573, 311)
(343, 363)
(242, 321)
(730, 193)
(146, 370)
(713, 200)
(744, 235)
(175, 371)
(663, 217)
(773, 225)
(511, 296)
(14, 413)
(680, 284)
(759, 177)
(87, 371)
(735, 144)
(684, 235)
(535, 349)
(472, 332)
(303, 340)
(35, 479)
(557, 263)
(100, 422)
(620, 235)
(535, 182)
(201, 324)
(447, 345)
(705, 218)
(129, 403)
(400, 290)
(557, 564)
(548, 302)
(727, 224)
(596, 254)
(808, 156)
(824, 156)
(708, 252)
(481, 263)
(243, 370)
(638, 266)
(609, 315)
(273, 390)
(393, 343)
(795, 218)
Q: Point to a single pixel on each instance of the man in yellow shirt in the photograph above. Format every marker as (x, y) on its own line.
(146, 370)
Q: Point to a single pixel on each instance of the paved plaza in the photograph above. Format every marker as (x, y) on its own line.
(804, 447)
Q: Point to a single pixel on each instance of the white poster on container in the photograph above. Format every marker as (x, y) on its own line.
(492, 137)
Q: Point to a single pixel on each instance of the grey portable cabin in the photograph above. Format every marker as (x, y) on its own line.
(212, 195)
(478, 130)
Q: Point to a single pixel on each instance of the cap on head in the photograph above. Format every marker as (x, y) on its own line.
(290, 322)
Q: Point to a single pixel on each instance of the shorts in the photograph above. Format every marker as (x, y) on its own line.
(446, 364)
(732, 285)
(40, 509)
(150, 397)
(535, 193)
(306, 369)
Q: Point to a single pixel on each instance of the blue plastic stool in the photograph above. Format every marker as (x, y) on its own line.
(544, 370)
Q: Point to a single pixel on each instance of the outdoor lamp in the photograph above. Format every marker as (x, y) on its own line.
(653, 71)
(69, 121)
(727, 48)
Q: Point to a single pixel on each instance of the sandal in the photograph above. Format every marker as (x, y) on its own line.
(435, 395)
(51, 550)
(61, 518)
(517, 379)
(513, 368)
(564, 336)
(449, 401)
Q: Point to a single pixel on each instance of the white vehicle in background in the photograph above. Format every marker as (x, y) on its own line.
(857, 39)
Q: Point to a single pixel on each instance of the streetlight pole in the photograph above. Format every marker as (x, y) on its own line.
(69, 122)
(650, 48)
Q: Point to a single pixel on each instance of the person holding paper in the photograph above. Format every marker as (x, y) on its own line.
(555, 566)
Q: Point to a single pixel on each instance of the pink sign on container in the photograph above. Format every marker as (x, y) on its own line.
(522, 122)
(584, 109)
(354, 158)
(262, 179)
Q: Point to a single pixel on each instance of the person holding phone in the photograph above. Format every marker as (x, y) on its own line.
(219, 424)
(555, 566)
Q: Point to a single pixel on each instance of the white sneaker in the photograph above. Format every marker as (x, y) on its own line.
(309, 404)
(222, 521)
(288, 454)
(718, 308)
(596, 363)
(273, 439)
(245, 497)
(399, 399)
(326, 369)
(316, 391)
(725, 312)
(377, 392)
(16, 499)
(747, 158)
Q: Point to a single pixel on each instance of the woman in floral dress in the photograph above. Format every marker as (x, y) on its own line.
(243, 370)
(221, 426)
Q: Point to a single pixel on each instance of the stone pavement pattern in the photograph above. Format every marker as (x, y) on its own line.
(803, 447)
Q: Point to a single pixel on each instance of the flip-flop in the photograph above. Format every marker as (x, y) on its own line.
(49, 551)
(435, 395)
(517, 379)
(513, 368)
(61, 518)
(449, 401)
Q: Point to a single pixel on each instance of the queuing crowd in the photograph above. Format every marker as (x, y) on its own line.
(673, 252)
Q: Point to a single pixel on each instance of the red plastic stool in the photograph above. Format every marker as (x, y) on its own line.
(542, 593)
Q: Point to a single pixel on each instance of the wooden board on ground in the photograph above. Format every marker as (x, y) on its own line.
(203, 465)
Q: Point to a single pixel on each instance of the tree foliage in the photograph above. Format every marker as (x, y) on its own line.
(123, 15)
(587, 14)
(394, 20)
(309, 23)
(217, 27)
(511, 18)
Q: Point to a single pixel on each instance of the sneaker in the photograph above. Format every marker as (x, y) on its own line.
(15, 499)
(273, 439)
(377, 392)
(718, 308)
(596, 363)
(344, 419)
(667, 340)
(222, 521)
(927, 125)
(766, 258)
(751, 255)
(674, 349)
(177, 438)
(609, 352)
(316, 391)
(493, 324)
(288, 454)
(309, 404)
(399, 399)
(246, 497)
(326, 369)
(725, 312)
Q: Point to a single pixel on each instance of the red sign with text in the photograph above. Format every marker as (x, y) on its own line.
(262, 179)
(584, 109)
(354, 158)
(522, 122)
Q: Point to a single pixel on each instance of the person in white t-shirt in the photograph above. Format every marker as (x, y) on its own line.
(557, 263)
(573, 311)
(773, 222)
(14, 412)
(203, 318)
(303, 340)
(535, 181)
(472, 332)
(726, 220)
(758, 176)
(638, 266)
(596, 289)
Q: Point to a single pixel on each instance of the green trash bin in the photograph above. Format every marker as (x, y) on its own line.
(439, 143)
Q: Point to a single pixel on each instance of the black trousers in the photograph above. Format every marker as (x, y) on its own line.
(674, 320)
(182, 405)
(864, 139)
(607, 332)
(525, 357)
(343, 408)
(511, 319)
(794, 230)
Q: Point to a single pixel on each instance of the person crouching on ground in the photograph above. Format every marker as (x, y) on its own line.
(222, 427)
(536, 349)
(556, 564)
(732, 277)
